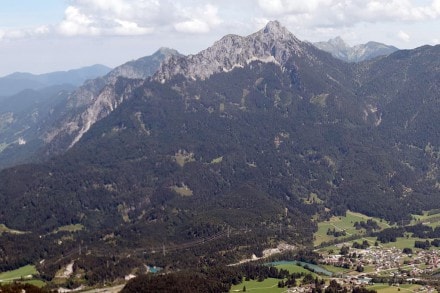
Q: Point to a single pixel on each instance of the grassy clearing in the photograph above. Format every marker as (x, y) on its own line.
(183, 157)
(217, 160)
(295, 269)
(4, 229)
(182, 190)
(269, 285)
(25, 272)
(70, 228)
(403, 242)
(344, 224)
(430, 218)
(37, 283)
(385, 288)
(313, 198)
(335, 270)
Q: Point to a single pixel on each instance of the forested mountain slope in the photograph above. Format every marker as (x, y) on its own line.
(200, 151)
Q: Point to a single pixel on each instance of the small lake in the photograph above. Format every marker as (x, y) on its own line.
(153, 269)
(315, 268)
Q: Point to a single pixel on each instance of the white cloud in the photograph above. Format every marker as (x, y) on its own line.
(129, 28)
(436, 6)
(77, 23)
(11, 34)
(195, 26)
(321, 13)
(42, 30)
(198, 20)
(280, 7)
(137, 17)
(403, 36)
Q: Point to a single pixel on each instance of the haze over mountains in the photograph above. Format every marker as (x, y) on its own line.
(339, 49)
(234, 138)
(17, 82)
(32, 119)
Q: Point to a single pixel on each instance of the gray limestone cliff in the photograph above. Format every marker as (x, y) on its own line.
(274, 43)
(97, 98)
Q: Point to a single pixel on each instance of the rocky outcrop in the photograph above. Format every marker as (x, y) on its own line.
(97, 98)
(274, 43)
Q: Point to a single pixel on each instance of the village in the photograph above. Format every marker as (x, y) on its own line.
(364, 265)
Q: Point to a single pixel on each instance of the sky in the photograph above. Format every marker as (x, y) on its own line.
(50, 35)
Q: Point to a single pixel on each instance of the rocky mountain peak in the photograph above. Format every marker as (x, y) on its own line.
(338, 42)
(274, 43)
(276, 29)
(166, 51)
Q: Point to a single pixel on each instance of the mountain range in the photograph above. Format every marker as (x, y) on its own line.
(95, 99)
(32, 121)
(17, 82)
(227, 145)
(339, 49)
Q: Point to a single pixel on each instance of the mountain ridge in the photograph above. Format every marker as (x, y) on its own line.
(235, 51)
(18, 81)
(238, 150)
(97, 98)
(358, 53)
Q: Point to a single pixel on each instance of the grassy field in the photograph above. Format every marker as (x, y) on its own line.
(430, 218)
(217, 160)
(385, 288)
(268, 285)
(271, 285)
(335, 270)
(401, 243)
(343, 223)
(23, 272)
(4, 229)
(70, 228)
(37, 283)
(182, 191)
(23, 275)
(295, 269)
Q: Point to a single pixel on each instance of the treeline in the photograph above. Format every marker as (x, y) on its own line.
(427, 244)
(20, 288)
(221, 279)
(369, 225)
(417, 231)
(215, 279)
(335, 233)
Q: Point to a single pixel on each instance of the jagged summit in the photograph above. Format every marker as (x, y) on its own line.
(165, 51)
(338, 41)
(274, 43)
(275, 28)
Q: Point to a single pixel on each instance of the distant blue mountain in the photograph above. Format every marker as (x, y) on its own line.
(17, 82)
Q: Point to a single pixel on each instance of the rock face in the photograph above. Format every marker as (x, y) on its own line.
(99, 97)
(141, 68)
(339, 49)
(274, 43)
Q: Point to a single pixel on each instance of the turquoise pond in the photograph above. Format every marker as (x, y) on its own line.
(154, 269)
